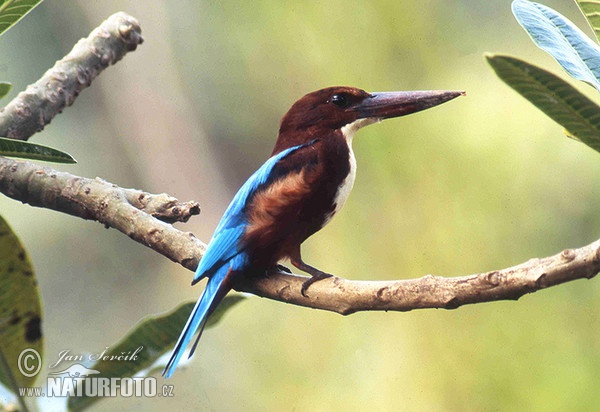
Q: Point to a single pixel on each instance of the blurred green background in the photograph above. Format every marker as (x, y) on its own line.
(480, 183)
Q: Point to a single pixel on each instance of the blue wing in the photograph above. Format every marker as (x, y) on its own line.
(225, 243)
(223, 259)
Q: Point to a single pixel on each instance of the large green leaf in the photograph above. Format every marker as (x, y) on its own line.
(591, 11)
(11, 11)
(26, 150)
(20, 314)
(555, 34)
(156, 335)
(558, 99)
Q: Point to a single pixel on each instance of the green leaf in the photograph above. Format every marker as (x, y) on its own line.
(20, 313)
(4, 89)
(558, 99)
(555, 34)
(26, 150)
(155, 335)
(11, 11)
(591, 11)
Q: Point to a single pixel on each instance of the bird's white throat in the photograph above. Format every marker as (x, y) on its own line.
(346, 186)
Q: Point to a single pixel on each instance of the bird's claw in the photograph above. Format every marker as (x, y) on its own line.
(313, 279)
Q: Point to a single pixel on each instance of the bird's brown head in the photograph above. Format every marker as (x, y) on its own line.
(346, 109)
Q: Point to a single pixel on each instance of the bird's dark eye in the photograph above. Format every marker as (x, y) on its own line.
(340, 100)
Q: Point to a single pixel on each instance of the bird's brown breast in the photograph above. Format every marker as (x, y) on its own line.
(285, 212)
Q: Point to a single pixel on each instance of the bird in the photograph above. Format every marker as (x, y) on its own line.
(294, 194)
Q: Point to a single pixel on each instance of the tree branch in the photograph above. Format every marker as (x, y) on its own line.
(139, 215)
(428, 292)
(129, 211)
(34, 108)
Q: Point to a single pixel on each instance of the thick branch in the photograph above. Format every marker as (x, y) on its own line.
(112, 206)
(139, 215)
(34, 108)
(349, 296)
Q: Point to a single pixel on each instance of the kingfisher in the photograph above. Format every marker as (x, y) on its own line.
(296, 192)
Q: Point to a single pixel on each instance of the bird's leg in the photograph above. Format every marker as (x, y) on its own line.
(316, 274)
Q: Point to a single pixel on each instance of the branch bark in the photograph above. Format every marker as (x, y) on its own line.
(130, 211)
(141, 216)
(34, 108)
(146, 218)
(432, 292)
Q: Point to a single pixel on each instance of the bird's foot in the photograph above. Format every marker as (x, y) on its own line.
(313, 279)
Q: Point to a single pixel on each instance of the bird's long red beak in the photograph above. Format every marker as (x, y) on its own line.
(385, 105)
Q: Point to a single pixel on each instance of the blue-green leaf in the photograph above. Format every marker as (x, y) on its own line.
(555, 34)
(26, 150)
(11, 11)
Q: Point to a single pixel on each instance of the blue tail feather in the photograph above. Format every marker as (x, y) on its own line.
(216, 289)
